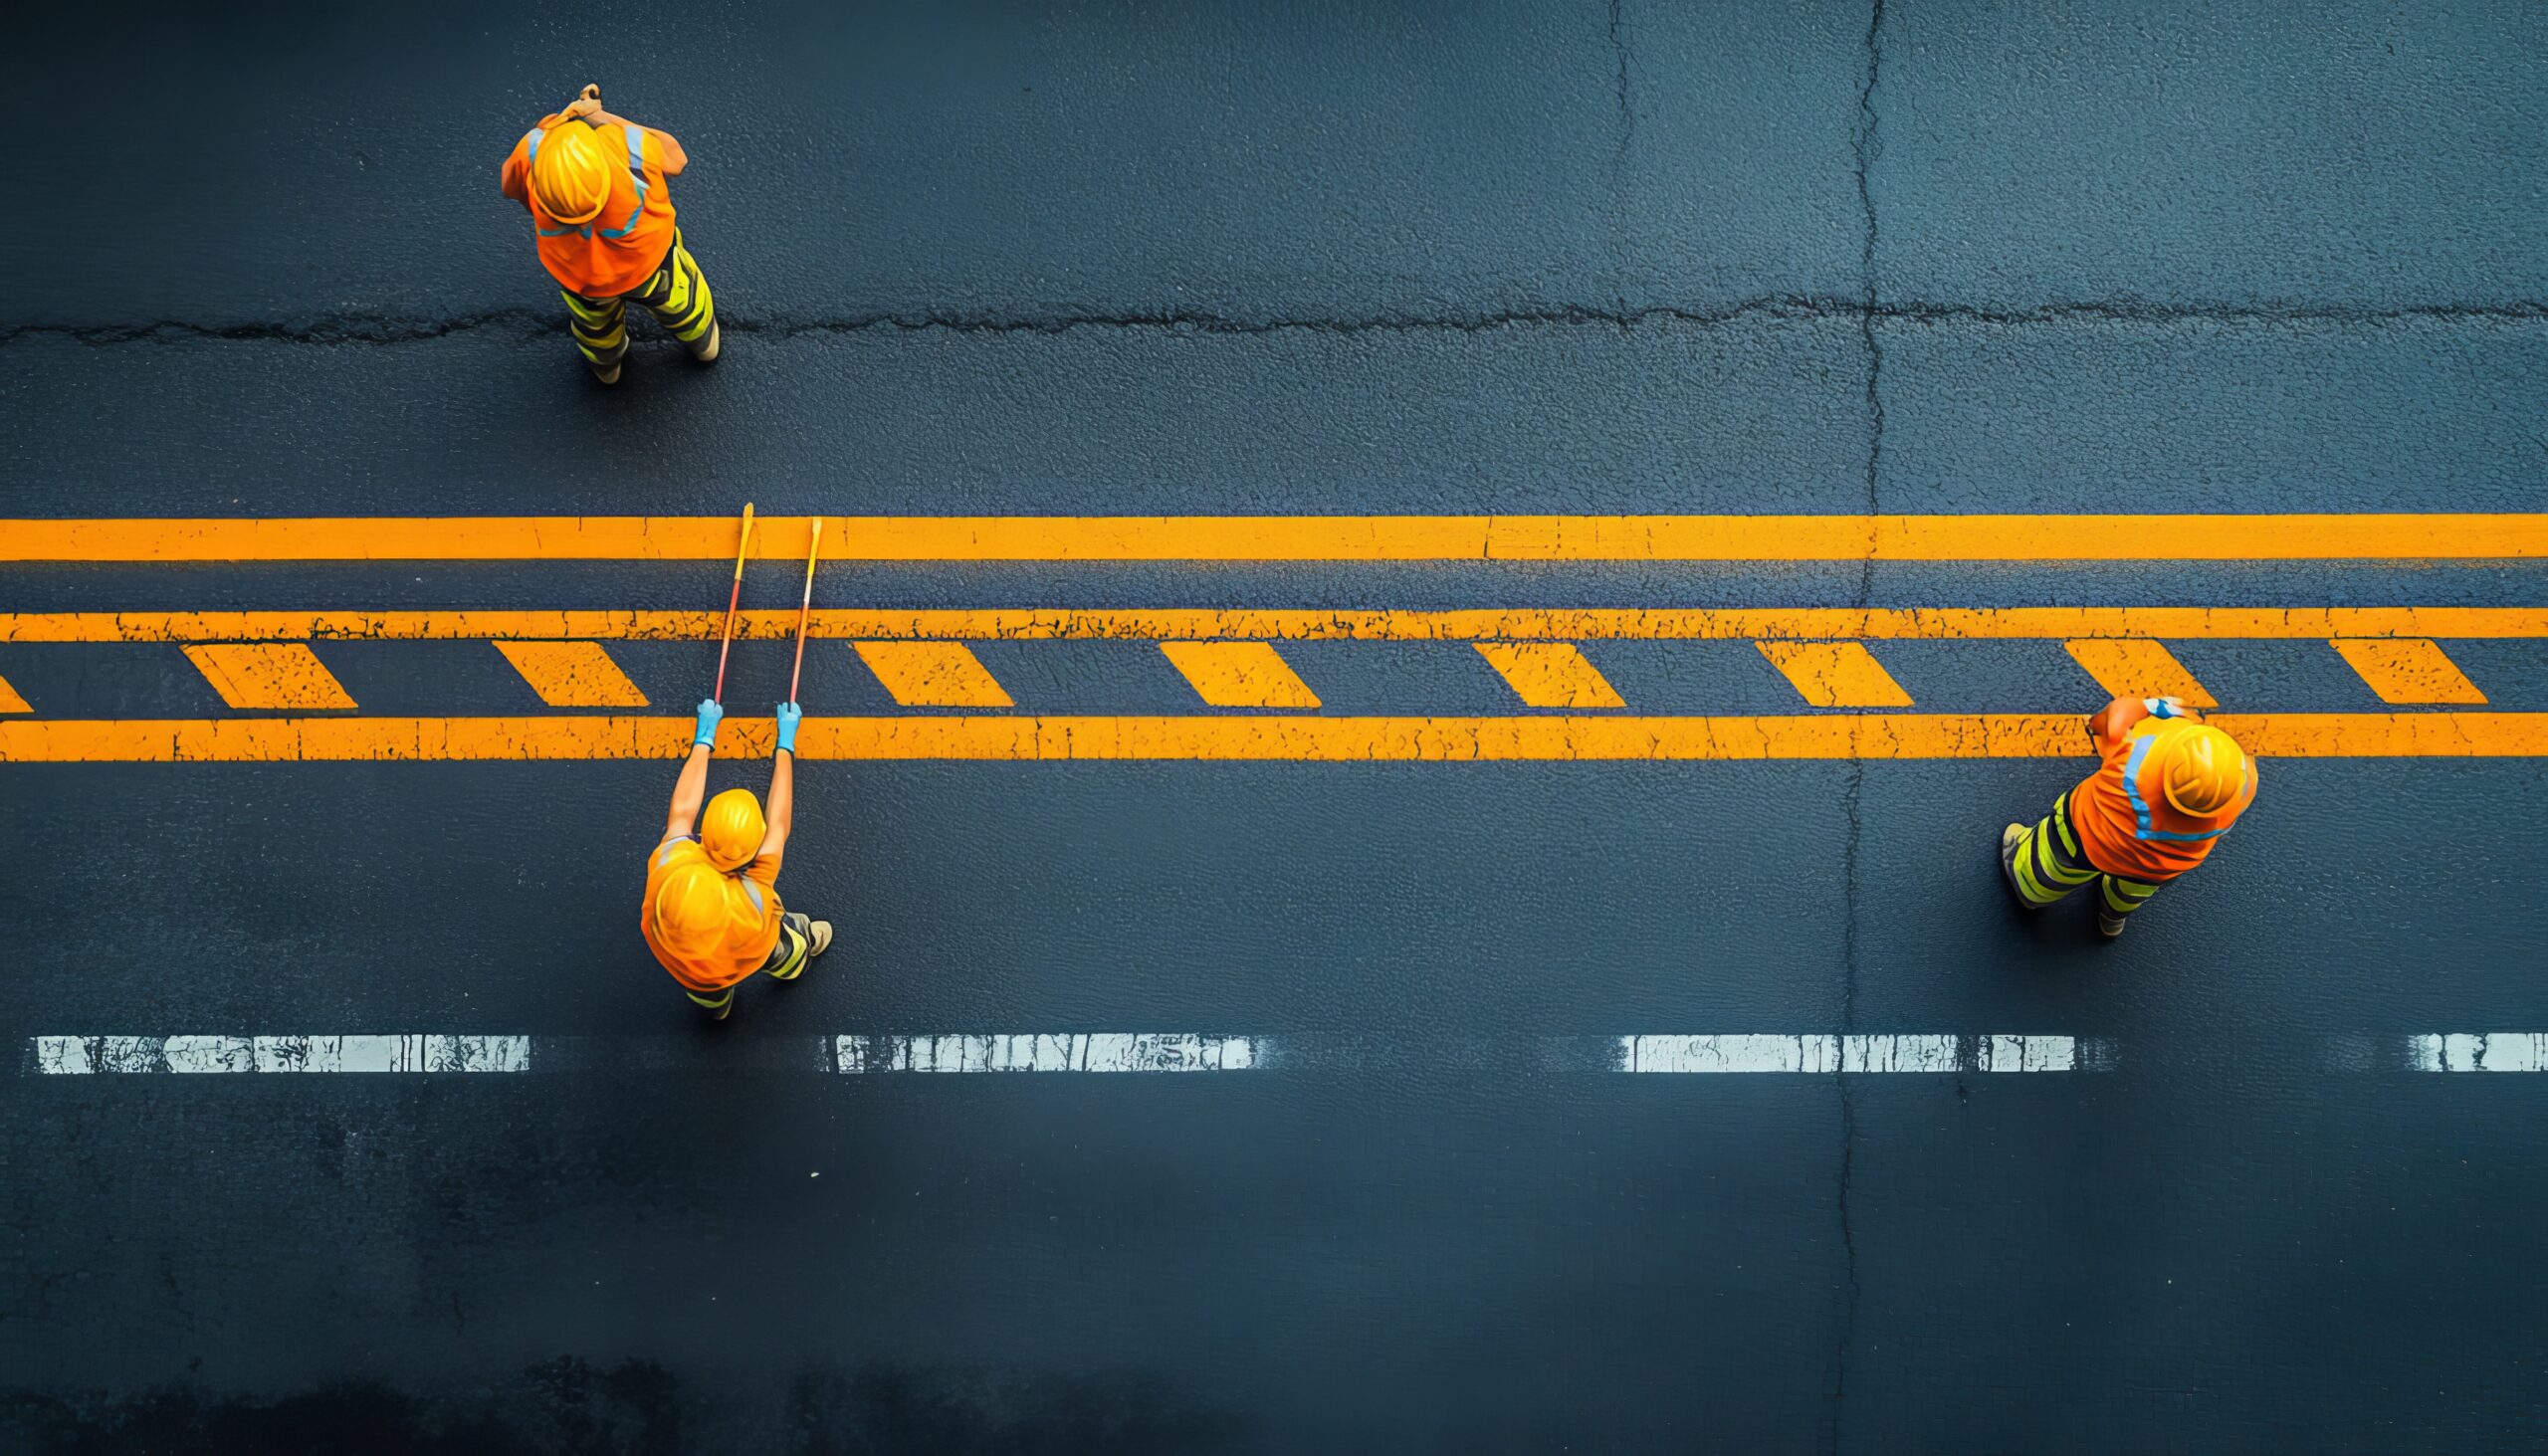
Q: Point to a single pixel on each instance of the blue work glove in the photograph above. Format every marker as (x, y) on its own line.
(789, 715)
(710, 713)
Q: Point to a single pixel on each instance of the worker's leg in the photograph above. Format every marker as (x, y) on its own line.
(2044, 864)
(716, 1003)
(799, 939)
(2118, 897)
(601, 327)
(678, 295)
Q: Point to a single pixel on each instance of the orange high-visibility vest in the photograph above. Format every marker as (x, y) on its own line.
(621, 247)
(2126, 825)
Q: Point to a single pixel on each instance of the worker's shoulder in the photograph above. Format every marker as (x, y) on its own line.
(680, 849)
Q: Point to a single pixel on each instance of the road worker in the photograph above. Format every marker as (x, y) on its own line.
(2169, 786)
(712, 914)
(603, 216)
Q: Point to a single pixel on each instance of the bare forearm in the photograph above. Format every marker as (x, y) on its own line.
(782, 799)
(689, 791)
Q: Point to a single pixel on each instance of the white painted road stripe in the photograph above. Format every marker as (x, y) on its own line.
(2479, 1051)
(1803, 1053)
(1013, 1052)
(1815, 1054)
(73, 1054)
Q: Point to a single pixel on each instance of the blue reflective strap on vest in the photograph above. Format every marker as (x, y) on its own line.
(636, 173)
(2141, 807)
(752, 888)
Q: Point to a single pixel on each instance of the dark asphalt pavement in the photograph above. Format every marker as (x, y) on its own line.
(1118, 258)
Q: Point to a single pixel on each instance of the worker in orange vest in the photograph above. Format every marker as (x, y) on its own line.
(712, 914)
(2169, 786)
(603, 215)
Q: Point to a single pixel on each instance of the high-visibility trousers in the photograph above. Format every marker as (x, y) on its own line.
(2050, 867)
(677, 295)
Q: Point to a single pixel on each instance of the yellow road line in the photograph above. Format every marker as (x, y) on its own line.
(933, 674)
(2130, 668)
(2410, 671)
(1267, 738)
(268, 675)
(1551, 674)
(1836, 674)
(1240, 675)
(1296, 538)
(573, 674)
(1562, 624)
(10, 701)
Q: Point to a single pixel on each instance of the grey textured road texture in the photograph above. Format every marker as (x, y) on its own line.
(1498, 258)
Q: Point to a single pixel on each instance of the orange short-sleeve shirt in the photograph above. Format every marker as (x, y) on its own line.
(619, 250)
(2126, 825)
(753, 914)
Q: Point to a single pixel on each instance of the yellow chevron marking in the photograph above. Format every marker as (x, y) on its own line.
(1550, 673)
(1240, 675)
(573, 674)
(280, 675)
(1240, 736)
(10, 701)
(2411, 670)
(1836, 674)
(932, 675)
(2138, 667)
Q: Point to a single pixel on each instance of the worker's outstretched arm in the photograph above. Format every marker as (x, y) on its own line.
(2114, 719)
(689, 791)
(783, 782)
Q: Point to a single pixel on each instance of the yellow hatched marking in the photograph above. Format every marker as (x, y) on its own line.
(1234, 737)
(1550, 673)
(573, 674)
(2138, 667)
(932, 675)
(1836, 674)
(268, 675)
(10, 701)
(1240, 675)
(2409, 670)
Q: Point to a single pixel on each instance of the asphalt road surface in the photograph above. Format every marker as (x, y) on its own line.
(1309, 940)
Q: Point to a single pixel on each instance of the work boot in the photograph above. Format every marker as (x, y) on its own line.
(609, 376)
(2108, 924)
(706, 353)
(818, 939)
(2011, 839)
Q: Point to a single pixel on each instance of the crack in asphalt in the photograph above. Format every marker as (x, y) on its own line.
(378, 330)
(1864, 149)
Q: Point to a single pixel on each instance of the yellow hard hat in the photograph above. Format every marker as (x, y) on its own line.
(571, 175)
(690, 910)
(2203, 769)
(733, 830)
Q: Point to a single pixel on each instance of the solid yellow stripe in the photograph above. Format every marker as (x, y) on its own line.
(1533, 738)
(1836, 674)
(270, 675)
(1562, 624)
(1298, 539)
(1551, 674)
(2130, 668)
(573, 674)
(2410, 671)
(1240, 675)
(933, 674)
